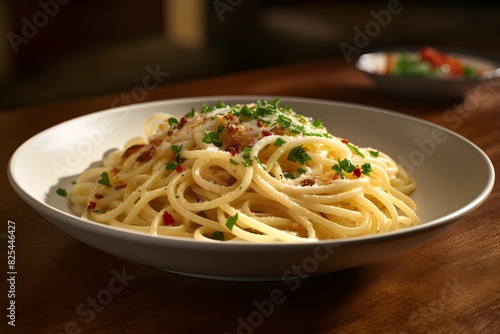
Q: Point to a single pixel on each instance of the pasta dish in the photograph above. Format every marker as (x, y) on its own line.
(257, 172)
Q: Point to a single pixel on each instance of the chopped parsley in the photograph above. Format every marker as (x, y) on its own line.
(366, 168)
(233, 162)
(279, 142)
(289, 176)
(298, 154)
(374, 153)
(172, 122)
(190, 114)
(343, 166)
(218, 235)
(178, 160)
(231, 222)
(104, 180)
(247, 161)
(356, 150)
(61, 192)
(212, 138)
(318, 124)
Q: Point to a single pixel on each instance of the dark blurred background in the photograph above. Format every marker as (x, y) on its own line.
(53, 50)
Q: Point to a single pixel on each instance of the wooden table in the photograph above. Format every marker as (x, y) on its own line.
(448, 285)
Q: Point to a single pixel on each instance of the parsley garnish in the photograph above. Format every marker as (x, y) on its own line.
(246, 156)
(374, 153)
(105, 180)
(318, 124)
(190, 114)
(233, 162)
(62, 192)
(231, 222)
(279, 142)
(343, 166)
(298, 154)
(172, 122)
(356, 150)
(212, 138)
(178, 160)
(366, 168)
(289, 176)
(218, 235)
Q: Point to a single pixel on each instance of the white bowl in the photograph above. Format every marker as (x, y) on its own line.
(438, 159)
(374, 65)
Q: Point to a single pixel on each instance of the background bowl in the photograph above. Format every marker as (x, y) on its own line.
(374, 65)
(433, 155)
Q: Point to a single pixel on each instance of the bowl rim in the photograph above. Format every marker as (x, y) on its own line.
(48, 210)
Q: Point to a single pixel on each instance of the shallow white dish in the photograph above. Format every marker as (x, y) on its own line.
(374, 65)
(434, 155)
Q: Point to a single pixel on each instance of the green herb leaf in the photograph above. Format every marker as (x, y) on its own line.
(190, 114)
(298, 154)
(318, 124)
(231, 222)
(289, 176)
(233, 162)
(343, 166)
(178, 160)
(366, 168)
(218, 235)
(212, 138)
(61, 192)
(246, 156)
(104, 180)
(374, 153)
(172, 165)
(279, 142)
(220, 105)
(356, 150)
(172, 122)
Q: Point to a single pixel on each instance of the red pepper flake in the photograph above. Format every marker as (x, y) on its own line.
(91, 206)
(234, 150)
(229, 116)
(182, 123)
(168, 220)
(178, 168)
(259, 123)
(121, 186)
(266, 133)
(357, 172)
(345, 141)
(99, 196)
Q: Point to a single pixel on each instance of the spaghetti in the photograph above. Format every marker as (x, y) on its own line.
(258, 173)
